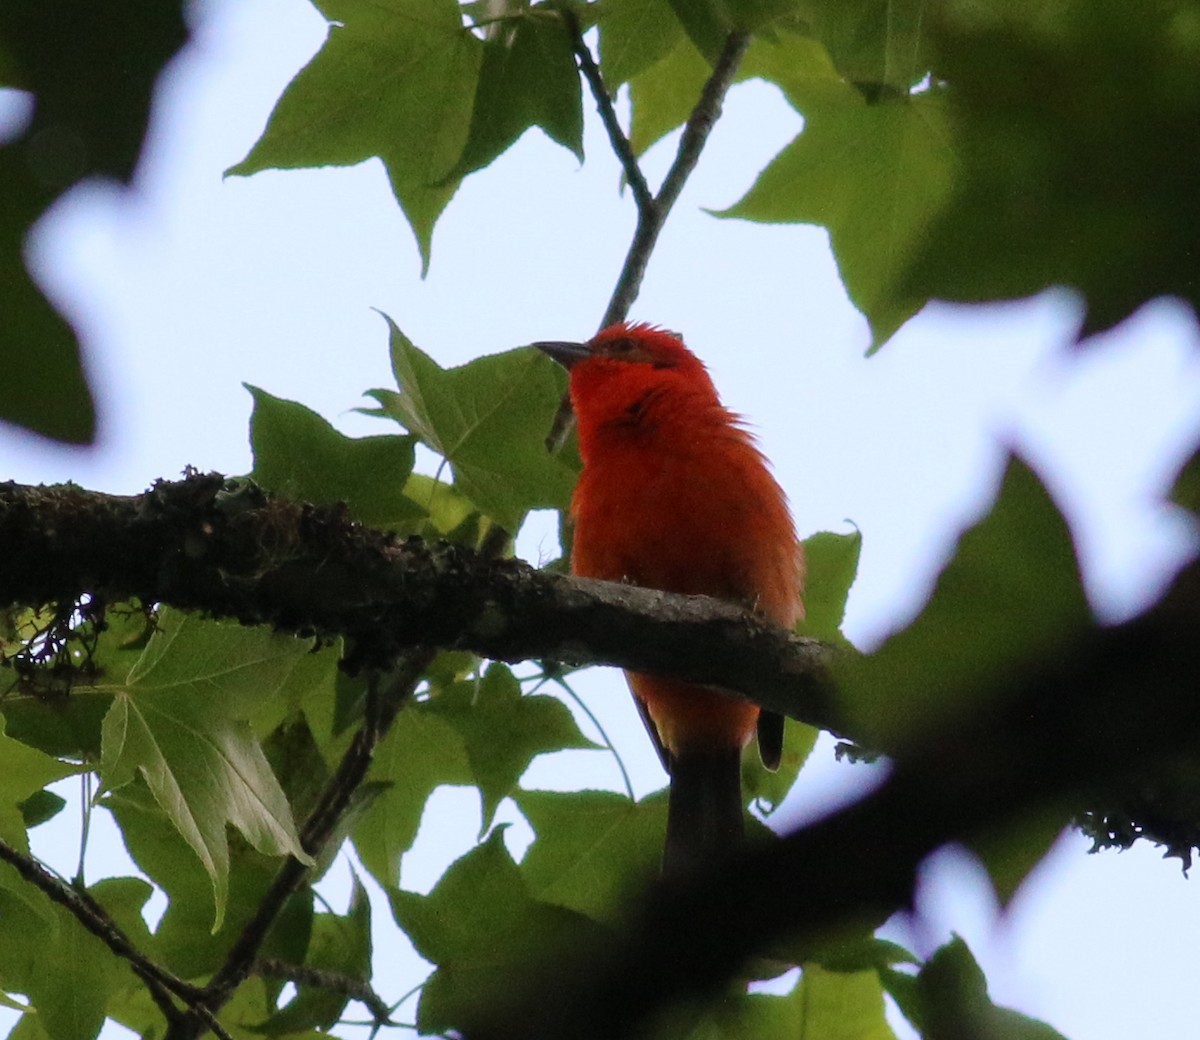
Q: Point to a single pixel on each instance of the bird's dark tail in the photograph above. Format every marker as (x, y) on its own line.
(704, 811)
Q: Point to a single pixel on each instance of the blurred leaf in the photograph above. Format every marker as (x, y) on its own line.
(949, 998)
(420, 753)
(1011, 853)
(503, 731)
(180, 721)
(1012, 594)
(835, 1005)
(485, 933)
(395, 79)
(489, 419)
(528, 78)
(1072, 172)
(297, 454)
(91, 69)
(875, 176)
(592, 847)
(863, 954)
(831, 563)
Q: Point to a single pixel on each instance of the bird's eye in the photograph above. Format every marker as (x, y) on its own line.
(620, 346)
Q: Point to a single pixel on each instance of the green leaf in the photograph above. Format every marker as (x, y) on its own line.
(297, 454)
(395, 79)
(592, 848)
(1011, 594)
(66, 972)
(831, 562)
(878, 45)
(26, 771)
(485, 933)
(875, 176)
(40, 807)
(503, 731)
(1072, 173)
(862, 954)
(489, 418)
(708, 23)
(184, 939)
(420, 753)
(836, 1005)
(663, 95)
(635, 34)
(180, 722)
(796, 63)
(528, 78)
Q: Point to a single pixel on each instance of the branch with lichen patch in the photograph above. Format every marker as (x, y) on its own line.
(227, 548)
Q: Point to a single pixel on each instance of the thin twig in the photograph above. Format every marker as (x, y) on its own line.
(321, 978)
(385, 697)
(608, 114)
(700, 123)
(651, 218)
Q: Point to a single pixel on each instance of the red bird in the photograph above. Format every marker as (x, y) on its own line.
(675, 495)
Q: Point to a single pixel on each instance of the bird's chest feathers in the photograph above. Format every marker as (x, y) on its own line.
(667, 507)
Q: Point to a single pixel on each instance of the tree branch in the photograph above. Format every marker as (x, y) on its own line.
(321, 978)
(228, 549)
(652, 216)
(160, 983)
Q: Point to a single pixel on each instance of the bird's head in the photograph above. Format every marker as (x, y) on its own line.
(614, 372)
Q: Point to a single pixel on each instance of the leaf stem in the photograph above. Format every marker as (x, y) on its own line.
(603, 735)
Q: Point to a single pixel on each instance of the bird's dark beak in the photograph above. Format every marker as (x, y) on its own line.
(566, 354)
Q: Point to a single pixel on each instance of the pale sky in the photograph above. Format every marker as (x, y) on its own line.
(195, 284)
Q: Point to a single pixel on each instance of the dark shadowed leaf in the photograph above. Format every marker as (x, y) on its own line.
(1072, 172)
(486, 933)
(91, 70)
(1011, 594)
